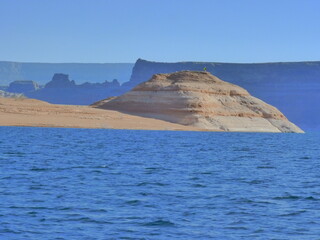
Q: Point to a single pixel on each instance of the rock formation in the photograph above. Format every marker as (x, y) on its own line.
(23, 86)
(62, 90)
(60, 80)
(82, 72)
(292, 87)
(201, 100)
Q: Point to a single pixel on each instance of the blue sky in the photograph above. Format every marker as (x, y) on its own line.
(159, 30)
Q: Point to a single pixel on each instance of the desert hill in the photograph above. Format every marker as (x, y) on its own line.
(201, 100)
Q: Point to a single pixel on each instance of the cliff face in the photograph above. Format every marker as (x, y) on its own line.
(245, 73)
(201, 100)
(291, 87)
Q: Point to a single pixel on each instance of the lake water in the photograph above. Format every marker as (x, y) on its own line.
(122, 184)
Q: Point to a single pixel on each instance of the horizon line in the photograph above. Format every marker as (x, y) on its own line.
(140, 59)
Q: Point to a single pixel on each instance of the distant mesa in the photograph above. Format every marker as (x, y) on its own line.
(199, 99)
(62, 90)
(82, 72)
(23, 86)
(60, 80)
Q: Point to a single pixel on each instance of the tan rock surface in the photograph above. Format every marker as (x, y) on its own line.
(35, 113)
(200, 100)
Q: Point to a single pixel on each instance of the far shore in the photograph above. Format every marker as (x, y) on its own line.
(34, 113)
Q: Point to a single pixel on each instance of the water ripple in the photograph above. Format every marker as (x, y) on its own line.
(117, 184)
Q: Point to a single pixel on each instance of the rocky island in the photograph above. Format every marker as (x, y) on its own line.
(186, 100)
(292, 87)
(201, 100)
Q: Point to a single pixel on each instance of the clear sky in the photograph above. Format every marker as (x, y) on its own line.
(159, 30)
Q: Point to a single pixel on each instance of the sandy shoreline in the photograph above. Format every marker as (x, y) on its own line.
(35, 113)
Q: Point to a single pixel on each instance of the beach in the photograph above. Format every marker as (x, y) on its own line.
(34, 113)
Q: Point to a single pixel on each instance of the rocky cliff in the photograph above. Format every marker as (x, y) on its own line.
(291, 87)
(201, 100)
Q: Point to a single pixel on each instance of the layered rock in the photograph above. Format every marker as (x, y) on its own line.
(202, 100)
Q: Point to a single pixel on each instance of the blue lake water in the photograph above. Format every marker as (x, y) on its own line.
(121, 184)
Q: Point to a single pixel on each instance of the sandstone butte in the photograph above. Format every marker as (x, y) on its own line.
(200, 100)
